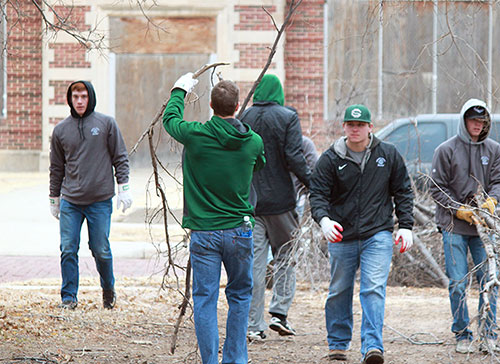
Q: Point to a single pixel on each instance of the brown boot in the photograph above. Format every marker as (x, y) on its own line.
(374, 356)
(337, 354)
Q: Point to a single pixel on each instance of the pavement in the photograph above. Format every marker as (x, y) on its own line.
(29, 234)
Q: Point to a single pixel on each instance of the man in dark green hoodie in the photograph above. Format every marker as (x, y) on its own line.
(219, 160)
(276, 218)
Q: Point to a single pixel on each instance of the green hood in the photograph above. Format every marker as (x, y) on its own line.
(270, 89)
(226, 134)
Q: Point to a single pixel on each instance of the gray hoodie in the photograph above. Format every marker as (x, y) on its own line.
(458, 167)
(83, 152)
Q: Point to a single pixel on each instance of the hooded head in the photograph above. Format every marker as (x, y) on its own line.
(474, 109)
(269, 89)
(92, 100)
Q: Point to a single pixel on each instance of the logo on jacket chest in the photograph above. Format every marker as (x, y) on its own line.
(380, 162)
(95, 131)
(485, 160)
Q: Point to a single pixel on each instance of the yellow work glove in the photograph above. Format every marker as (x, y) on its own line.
(465, 214)
(489, 204)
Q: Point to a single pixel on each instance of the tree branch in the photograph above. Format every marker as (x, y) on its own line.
(293, 6)
(159, 114)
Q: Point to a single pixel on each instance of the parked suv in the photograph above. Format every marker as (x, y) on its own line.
(416, 138)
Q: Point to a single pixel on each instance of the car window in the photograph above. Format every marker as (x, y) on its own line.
(495, 131)
(418, 145)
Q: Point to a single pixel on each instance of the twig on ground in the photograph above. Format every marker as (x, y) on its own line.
(414, 341)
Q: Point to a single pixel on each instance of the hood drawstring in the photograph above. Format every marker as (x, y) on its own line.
(470, 147)
(80, 128)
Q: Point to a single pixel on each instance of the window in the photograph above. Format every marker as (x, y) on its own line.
(495, 131)
(417, 144)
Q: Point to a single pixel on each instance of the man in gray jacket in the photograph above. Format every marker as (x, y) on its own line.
(85, 149)
(459, 166)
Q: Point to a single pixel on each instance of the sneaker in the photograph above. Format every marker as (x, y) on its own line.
(108, 298)
(256, 335)
(68, 305)
(464, 347)
(489, 346)
(282, 327)
(337, 354)
(373, 356)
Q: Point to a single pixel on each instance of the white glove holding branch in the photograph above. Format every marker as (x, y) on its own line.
(124, 197)
(331, 229)
(406, 238)
(186, 82)
(54, 206)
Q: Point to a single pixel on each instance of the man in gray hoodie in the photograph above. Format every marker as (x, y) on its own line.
(86, 148)
(459, 166)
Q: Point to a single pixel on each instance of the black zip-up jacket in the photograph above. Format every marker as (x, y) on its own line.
(362, 197)
(280, 130)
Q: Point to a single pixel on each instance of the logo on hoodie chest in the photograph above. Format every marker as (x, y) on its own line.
(485, 160)
(380, 162)
(95, 131)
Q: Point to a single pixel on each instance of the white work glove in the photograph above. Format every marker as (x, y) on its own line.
(124, 197)
(54, 206)
(331, 230)
(406, 238)
(186, 82)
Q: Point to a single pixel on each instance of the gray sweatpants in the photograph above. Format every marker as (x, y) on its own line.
(275, 230)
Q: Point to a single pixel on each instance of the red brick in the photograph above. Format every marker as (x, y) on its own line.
(254, 17)
(22, 128)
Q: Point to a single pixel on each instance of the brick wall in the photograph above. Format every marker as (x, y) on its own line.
(68, 55)
(303, 56)
(55, 121)
(73, 16)
(22, 128)
(60, 90)
(253, 55)
(244, 90)
(254, 17)
(303, 60)
(304, 69)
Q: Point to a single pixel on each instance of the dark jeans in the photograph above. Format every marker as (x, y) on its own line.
(98, 217)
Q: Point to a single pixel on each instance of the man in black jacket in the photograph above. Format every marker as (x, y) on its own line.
(355, 187)
(276, 218)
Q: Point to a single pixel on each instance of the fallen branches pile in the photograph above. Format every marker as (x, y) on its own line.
(309, 252)
(421, 266)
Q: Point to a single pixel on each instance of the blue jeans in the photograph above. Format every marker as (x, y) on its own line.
(455, 254)
(373, 256)
(208, 250)
(71, 218)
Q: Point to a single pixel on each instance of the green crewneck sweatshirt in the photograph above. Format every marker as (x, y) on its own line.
(218, 166)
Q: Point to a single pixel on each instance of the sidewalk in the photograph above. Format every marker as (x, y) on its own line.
(24, 268)
(29, 234)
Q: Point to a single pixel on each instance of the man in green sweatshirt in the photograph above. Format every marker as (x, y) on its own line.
(219, 160)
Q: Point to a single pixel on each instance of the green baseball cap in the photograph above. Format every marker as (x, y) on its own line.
(358, 112)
